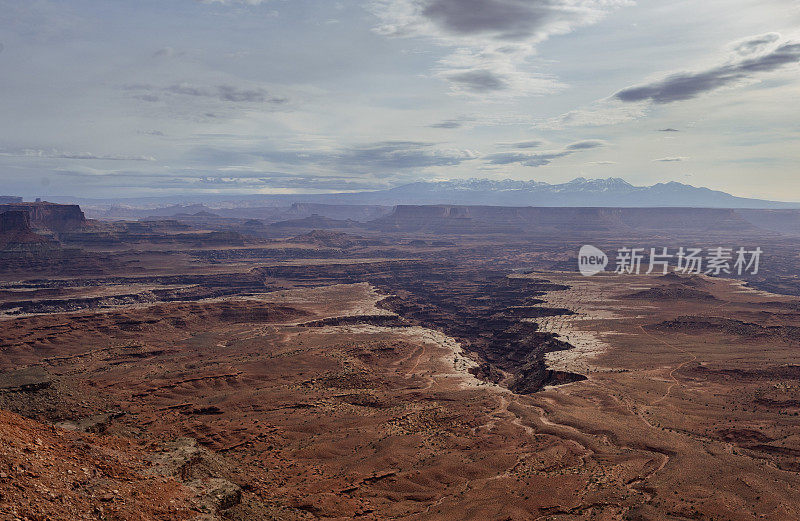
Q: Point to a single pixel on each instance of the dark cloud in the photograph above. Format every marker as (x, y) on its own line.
(586, 144)
(671, 159)
(230, 93)
(529, 144)
(540, 159)
(478, 80)
(452, 123)
(684, 86)
(506, 19)
(668, 130)
(494, 38)
(522, 145)
(510, 20)
(507, 158)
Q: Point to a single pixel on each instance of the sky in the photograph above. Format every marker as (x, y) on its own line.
(154, 97)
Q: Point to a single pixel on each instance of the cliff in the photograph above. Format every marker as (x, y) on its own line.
(342, 212)
(50, 216)
(15, 221)
(16, 233)
(315, 221)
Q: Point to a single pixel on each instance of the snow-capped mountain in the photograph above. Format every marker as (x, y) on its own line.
(611, 192)
(578, 192)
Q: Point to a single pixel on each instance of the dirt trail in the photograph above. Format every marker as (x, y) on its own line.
(675, 382)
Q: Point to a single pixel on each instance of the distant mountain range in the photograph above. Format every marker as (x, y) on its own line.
(611, 192)
(580, 192)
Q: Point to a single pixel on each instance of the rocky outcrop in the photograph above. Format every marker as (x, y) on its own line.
(53, 217)
(28, 379)
(9, 199)
(49, 473)
(15, 221)
(16, 234)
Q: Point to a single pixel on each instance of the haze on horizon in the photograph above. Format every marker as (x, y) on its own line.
(125, 99)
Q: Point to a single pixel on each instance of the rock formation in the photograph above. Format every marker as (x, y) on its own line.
(50, 216)
(16, 233)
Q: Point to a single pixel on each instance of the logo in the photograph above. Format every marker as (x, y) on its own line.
(591, 260)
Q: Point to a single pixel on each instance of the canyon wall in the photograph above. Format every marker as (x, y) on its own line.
(54, 217)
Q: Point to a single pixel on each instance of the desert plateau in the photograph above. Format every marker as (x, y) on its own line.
(399, 260)
(406, 367)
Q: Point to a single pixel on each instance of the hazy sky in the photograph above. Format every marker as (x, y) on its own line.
(131, 98)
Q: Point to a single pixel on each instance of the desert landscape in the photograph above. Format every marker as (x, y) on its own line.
(435, 362)
(411, 260)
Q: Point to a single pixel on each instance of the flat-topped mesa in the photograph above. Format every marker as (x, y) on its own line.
(54, 217)
(15, 221)
(343, 212)
(563, 219)
(17, 235)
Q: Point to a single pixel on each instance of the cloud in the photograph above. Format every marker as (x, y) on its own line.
(495, 70)
(55, 154)
(586, 144)
(746, 59)
(600, 113)
(687, 85)
(150, 98)
(544, 158)
(379, 158)
(400, 155)
(166, 52)
(245, 182)
(754, 44)
(500, 20)
(233, 2)
(676, 159)
(523, 144)
(453, 123)
(224, 93)
(492, 39)
(481, 81)
(507, 158)
(230, 93)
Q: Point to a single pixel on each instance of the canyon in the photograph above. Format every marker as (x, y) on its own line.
(410, 363)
